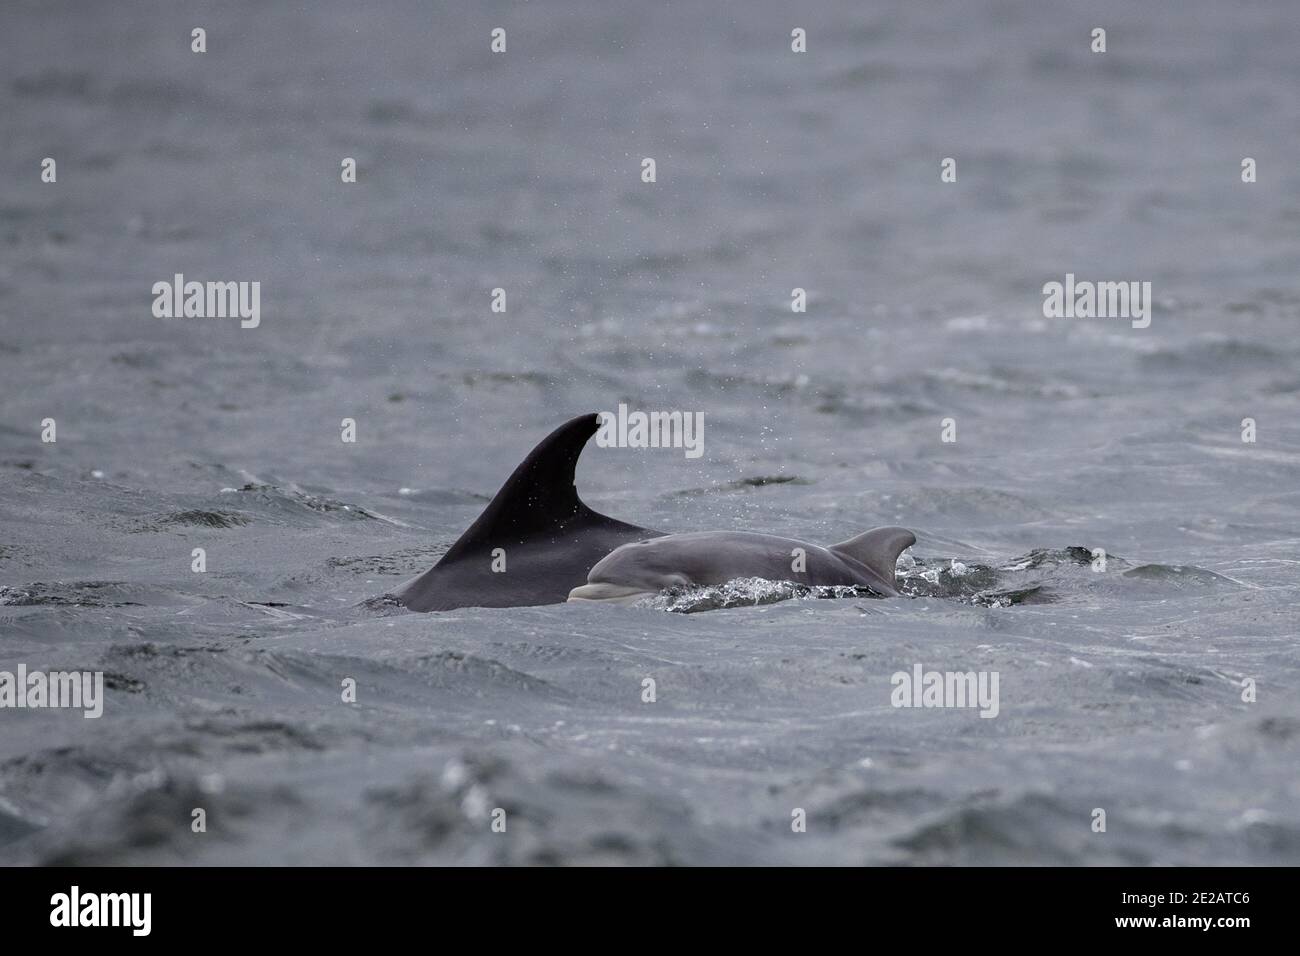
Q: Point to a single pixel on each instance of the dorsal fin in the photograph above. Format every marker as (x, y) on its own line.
(878, 549)
(538, 498)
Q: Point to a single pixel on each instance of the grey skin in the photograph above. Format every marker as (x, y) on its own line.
(550, 538)
(643, 568)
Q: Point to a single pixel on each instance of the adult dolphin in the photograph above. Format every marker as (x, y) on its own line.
(640, 569)
(548, 538)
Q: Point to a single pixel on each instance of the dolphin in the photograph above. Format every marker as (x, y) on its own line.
(533, 543)
(537, 543)
(643, 568)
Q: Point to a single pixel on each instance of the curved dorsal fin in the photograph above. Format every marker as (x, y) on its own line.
(878, 549)
(538, 498)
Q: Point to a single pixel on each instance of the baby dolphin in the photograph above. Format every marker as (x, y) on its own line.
(643, 568)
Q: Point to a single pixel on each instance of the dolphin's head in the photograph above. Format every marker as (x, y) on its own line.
(633, 571)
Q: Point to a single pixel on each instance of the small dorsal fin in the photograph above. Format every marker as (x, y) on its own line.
(538, 498)
(878, 549)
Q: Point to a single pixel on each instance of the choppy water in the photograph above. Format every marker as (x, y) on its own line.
(1119, 689)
